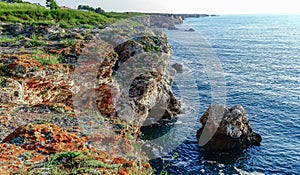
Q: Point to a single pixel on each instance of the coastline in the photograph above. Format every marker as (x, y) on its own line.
(36, 94)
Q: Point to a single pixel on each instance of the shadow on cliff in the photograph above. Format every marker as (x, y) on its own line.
(150, 132)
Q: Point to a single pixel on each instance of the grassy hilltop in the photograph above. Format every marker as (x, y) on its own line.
(39, 15)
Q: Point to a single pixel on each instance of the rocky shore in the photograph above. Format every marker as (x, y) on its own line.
(74, 99)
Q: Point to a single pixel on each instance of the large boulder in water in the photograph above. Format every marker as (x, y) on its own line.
(226, 129)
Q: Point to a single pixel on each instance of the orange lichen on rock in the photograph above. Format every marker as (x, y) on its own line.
(13, 158)
(45, 138)
(22, 62)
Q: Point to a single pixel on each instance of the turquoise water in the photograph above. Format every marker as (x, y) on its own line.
(260, 59)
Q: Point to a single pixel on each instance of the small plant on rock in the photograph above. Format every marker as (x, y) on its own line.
(34, 42)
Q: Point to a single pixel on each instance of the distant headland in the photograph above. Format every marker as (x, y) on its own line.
(183, 16)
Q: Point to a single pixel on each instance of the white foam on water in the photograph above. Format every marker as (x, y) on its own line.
(242, 172)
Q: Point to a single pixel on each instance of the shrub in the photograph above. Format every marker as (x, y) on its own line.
(52, 4)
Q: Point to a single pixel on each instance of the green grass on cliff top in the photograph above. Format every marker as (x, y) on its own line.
(38, 15)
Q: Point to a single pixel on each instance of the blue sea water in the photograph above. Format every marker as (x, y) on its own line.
(260, 60)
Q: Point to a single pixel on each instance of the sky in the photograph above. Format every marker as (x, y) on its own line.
(190, 6)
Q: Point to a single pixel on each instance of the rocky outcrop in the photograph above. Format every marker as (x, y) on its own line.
(145, 61)
(141, 72)
(121, 73)
(53, 32)
(229, 128)
(190, 30)
(93, 83)
(39, 82)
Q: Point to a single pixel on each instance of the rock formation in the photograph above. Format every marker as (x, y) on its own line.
(141, 72)
(61, 76)
(178, 67)
(231, 126)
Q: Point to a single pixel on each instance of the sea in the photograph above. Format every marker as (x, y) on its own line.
(251, 60)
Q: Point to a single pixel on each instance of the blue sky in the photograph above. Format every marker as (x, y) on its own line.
(191, 6)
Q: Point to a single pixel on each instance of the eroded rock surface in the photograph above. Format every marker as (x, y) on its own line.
(234, 132)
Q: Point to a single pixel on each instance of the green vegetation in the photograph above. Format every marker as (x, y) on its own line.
(68, 42)
(34, 42)
(27, 155)
(38, 15)
(8, 7)
(51, 4)
(150, 43)
(46, 59)
(10, 40)
(165, 166)
(4, 71)
(88, 8)
(64, 157)
(72, 163)
(2, 82)
(12, 1)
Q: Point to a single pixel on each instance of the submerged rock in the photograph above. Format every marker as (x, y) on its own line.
(229, 128)
(178, 67)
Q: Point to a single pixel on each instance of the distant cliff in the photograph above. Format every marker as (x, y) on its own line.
(182, 16)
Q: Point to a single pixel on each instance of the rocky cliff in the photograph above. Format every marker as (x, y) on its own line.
(95, 88)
